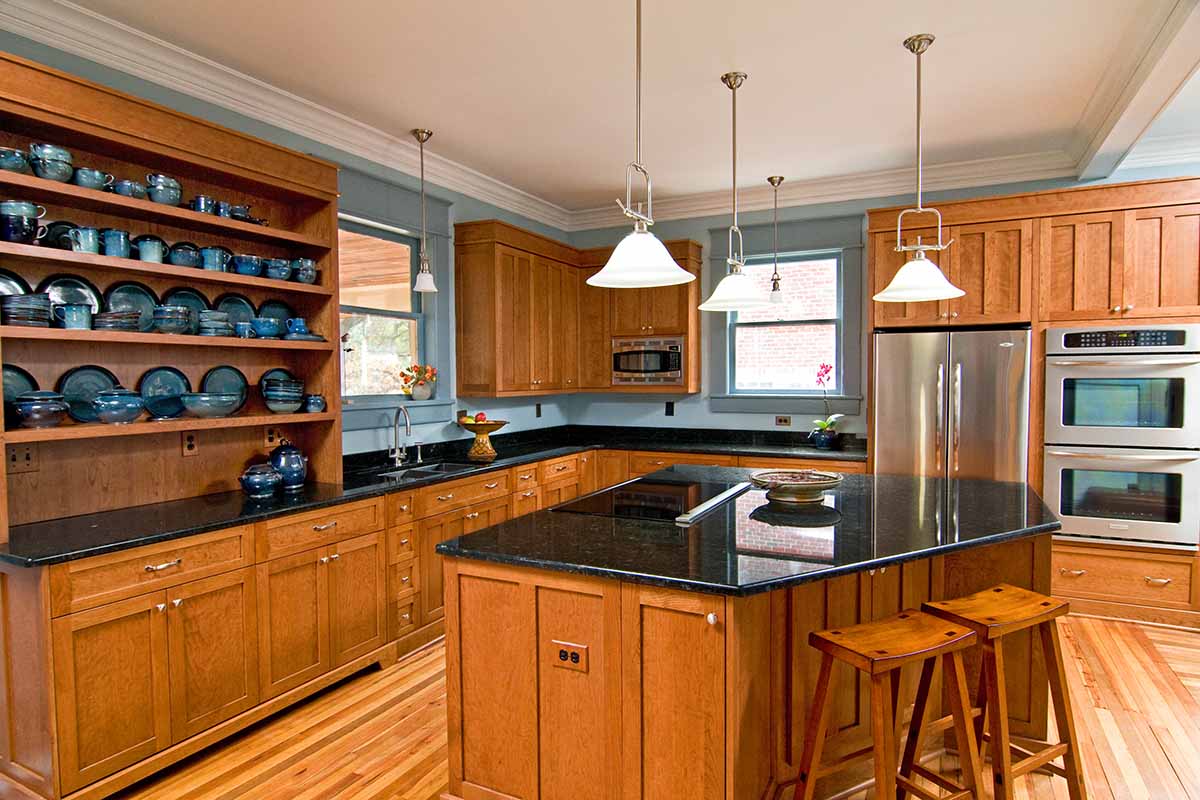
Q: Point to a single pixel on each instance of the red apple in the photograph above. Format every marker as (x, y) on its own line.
(481, 417)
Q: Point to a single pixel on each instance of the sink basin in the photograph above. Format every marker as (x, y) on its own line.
(427, 471)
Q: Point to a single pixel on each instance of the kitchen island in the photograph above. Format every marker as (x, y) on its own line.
(601, 650)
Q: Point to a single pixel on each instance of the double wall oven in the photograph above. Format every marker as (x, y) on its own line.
(1123, 432)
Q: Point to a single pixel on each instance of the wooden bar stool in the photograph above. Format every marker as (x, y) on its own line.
(993, 614)
(880, 649)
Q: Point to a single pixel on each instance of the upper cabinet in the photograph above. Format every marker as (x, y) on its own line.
(595, 334)
(993, 264)
(886, 262)
(1082, 266)
(1162, 261)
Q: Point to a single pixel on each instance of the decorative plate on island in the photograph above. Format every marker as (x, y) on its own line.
(795, 485)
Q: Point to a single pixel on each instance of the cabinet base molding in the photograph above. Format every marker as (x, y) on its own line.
(1149, 615)
(385, 656)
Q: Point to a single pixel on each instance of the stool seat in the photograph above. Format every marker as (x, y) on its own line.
(888, 644)
(999, 611)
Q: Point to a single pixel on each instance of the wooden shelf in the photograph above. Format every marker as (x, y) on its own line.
(31, 187)
(158, 339)
(97, 430)
(69, 259)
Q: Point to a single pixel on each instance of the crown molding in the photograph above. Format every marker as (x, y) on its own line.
(84, 33)
(1158, 151)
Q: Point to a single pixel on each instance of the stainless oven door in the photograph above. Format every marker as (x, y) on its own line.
(1123, 401)
(1124, 493)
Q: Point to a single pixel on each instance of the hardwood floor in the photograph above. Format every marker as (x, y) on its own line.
(382, 735)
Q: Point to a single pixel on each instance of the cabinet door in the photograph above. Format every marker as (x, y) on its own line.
(485, 515)
(357, 588)
(993, 264)
(212, 634)
(545, 318)
(514, 303)
(293, 621)
(557, 493)
(568, 351)
(886, 262)
(1082, 266)
(628, 314)
(673, 716)
(588, 477)
(111, 688)
(666, 309)
(430, 532)
(612, 467)
(1162, 274)
(595, 334)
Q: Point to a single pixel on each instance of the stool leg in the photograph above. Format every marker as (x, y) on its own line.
(964, 729)
(916, 727)
(883, 730)
(997, 709)
(1057, 673)
(814, 736)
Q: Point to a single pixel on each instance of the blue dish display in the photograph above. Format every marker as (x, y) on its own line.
(39, 409)
(164, 189)
(226, 380)
(52, 169)
(20, 230)
(209, 405)
(278, 268)
(291, 464)
(133, 296)
(267, 327)
(13, 284)
(130, 189)
(148, 247)
(304, 270)
(244, 264)
(68, 289)
(118, 406)
(81, 386)
(14, 160)
(276, 309)
(16, 381)
(90, 178)
(162, 390)
(238, 307)
(186, 296)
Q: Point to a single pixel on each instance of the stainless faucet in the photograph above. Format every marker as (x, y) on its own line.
(399, 454)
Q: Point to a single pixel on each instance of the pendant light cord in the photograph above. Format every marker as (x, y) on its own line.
(775, 274)
(920, 155)
(637, 158)
(735, 192)
(424, 251)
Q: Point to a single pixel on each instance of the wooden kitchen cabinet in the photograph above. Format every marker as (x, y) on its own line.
(595, 334)
(212, 638)
(1162, 262)
(554, 494)
(485, 515)
(993, 263)
(293, 621)
(611, 468)
(569, 349)
(430, 532)
(658, 311)
(357, 597)
(1082, 266)
(111, 687)
(886, 262)
(589, 479)
(545, 337)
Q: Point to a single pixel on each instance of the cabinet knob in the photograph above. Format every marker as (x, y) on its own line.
(404, 507)
(404, 579)
(953, 315)
(404, 541)
(1129, 308)
(473, 515)
(529, 494)
(406, 617)
(177, 602)
(711, 618)
(524, 477)
(1116, 309)
(160, 607)
(335, 556)
(323, 559)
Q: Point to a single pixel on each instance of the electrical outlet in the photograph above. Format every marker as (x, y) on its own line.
(271, 437)
(783, 421)
(189, 442)
(22, 458)
(537, 409)
(670, 408)
(568, 655)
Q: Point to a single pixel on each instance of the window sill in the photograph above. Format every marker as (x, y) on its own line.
(378, 411)
(784, 404)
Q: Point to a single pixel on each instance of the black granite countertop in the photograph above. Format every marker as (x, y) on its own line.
(748, 546)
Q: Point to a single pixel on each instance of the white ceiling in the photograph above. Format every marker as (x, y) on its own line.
(538, 94)
(1182, 116)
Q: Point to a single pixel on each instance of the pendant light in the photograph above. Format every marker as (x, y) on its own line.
(776, 281)
(736, 291)
(424, 282)
(640, 260)
(919, 279)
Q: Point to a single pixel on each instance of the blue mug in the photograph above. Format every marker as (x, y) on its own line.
(224, 209)
(130, 189)
(90, 178)
(244, 264)
(204, 204)
(244, 330)
(84, 240)
(116, 242)
(152, 249)
(215, 259)
(297, 325)
(74, 316)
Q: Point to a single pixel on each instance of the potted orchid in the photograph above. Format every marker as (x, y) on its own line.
(418, 380)
(824, 435)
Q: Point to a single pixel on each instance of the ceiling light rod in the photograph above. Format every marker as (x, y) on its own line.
(776, 288)
(917, 45)
(734, 80)
(642, 221)
(424, 282)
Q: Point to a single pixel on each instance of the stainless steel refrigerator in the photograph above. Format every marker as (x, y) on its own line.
(952, 404)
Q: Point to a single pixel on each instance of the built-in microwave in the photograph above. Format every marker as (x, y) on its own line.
(647, 361)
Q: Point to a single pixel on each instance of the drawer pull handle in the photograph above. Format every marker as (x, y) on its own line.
(177, 602)
(162, 566)
(1074, 573)
(404, 579)
(659, 463)
(335, 556)
(406, 617)
(473, 515)
(490, 485)
(404, 541)
(324, 559)
(528, 494)
(404, 507)
(562, 467)
(1157, 581)
(160, 607)
(325, 527)
(444, 497)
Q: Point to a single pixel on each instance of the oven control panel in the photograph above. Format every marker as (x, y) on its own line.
(1134, 337)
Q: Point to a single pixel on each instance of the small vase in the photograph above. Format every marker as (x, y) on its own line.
(825, 440)
(422, 391)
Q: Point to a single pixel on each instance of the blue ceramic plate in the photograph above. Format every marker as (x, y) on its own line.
(279, 373)
(79, 387)
(11, 283)
(161, 388)
(71, 289)
(17, 381)
(239, 308)
(132, 296)
(186, 296)
(277, 309)
(226, 379)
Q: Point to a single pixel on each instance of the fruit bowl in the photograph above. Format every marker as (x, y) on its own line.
(794, 486)
(481, 449)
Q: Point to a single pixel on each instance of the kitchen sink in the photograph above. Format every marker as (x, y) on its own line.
(427, 471)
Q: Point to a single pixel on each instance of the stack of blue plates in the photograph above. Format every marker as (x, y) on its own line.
(215, 323)
(172, 319)
(26, 310)
(283, 395)
(116, 320)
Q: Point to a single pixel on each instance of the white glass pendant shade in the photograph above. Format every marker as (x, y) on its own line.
(918, 281)
(736, 292)
(640, 261)
(424, 282)
(777, 297)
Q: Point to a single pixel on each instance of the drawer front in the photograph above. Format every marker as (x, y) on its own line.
(400, 508)
(524, 477)
(485, 515)
(401, 544)
(525, 502)
(828, 465)
(404, 616)
(642, 463)
(558, 469)
(458, 494)
(287, 535)
(91, 582)
(1124, 577)
(402, 580)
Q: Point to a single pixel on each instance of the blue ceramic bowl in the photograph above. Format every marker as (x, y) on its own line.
(173, 325)
(167, 195)
(118, 406)
(304, 270)
(53, 151)
(40, 409)
(247, 265)
(260, 481)
(14, 160)
(267, 327)
(130, 189)
(284, 406)
(184, 254)
(91, 178)
(314, 404)
(52, 169)
(211, 405)
(277, 268)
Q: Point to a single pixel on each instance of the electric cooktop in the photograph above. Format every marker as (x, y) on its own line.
(682, 499)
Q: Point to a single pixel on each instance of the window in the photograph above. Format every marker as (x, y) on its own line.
(380, 313)
(778, 350)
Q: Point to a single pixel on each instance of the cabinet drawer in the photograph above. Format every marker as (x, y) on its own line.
(401, 544)
(828, 465)
(524, 477)
(402, 580)
(287, 535)
(485, 515)
(399, 508)
(404, 617)
(642, 463)
(525, 502)
(1155, 579)
(558, 469)
(457, 494)
(91, 582)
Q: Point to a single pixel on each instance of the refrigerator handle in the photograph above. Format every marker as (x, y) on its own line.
(957, 411)
(940, 427)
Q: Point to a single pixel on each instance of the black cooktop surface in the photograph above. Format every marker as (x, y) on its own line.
(663, 497)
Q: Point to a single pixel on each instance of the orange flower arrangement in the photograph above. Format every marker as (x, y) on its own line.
(418, 375)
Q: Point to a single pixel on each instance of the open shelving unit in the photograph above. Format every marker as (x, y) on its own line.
(84, 468)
